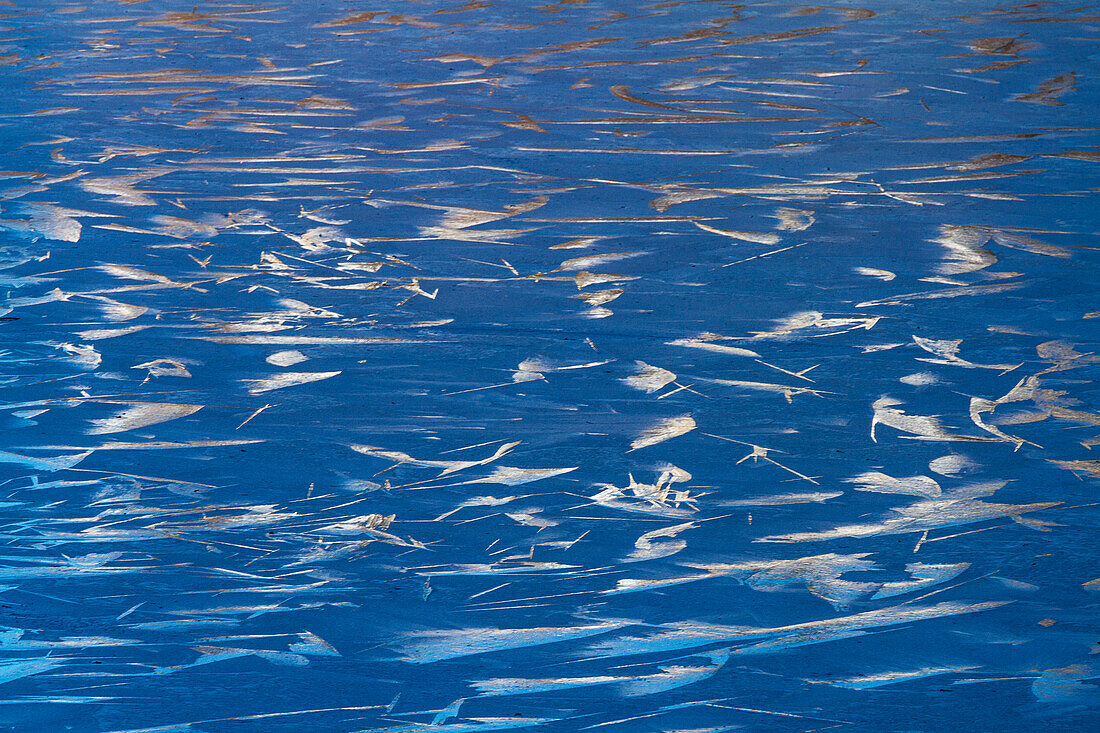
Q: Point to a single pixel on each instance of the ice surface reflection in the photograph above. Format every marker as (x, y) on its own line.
(682, 366)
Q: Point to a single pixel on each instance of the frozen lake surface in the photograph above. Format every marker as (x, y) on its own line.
(681, 366)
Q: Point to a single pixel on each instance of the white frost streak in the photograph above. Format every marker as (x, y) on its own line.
(141, 415)
(666, 429)
(648, 378)
(286, 379)
(434, 646)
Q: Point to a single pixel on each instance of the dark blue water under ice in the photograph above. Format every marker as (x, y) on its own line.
(673, 366)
